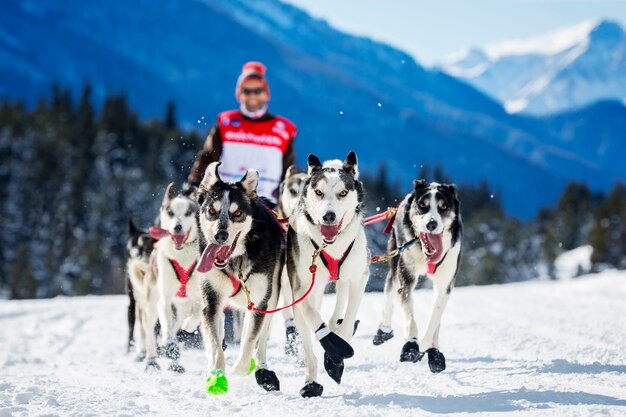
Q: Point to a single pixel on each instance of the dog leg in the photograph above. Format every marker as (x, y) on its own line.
(385, 331)
(213, 334)
(410, 351)
(266, 378)
(253, 322)
(341, 297)
(441, 300)
(356, 289)
(150, 320)
(311, 388)
(141, 346)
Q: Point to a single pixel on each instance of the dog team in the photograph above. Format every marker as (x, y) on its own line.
(221, 245)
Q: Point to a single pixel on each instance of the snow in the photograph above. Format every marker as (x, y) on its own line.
(541, 348)
(573, 262)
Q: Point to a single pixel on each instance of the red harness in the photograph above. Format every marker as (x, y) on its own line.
(183, 276)
(333, 265)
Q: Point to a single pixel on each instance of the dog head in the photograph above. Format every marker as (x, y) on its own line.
(177, 218)
(434, 210)
(225, 215)
(290, 190)
(139, 244)
(332, 195)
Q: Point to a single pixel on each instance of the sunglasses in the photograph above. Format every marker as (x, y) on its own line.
(255, 91)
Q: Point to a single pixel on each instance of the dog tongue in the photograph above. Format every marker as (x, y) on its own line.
(434, 242)
(179, 240)
(158, 232)
(329, 232)
(208, 258)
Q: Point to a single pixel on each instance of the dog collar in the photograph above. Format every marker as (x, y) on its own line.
(333, 265)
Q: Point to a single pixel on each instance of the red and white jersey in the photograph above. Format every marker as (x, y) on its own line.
(258, 144)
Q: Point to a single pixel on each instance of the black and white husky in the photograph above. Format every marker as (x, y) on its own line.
(139, 245)
(242, 252)
(428, 232)
(288, 197)
(328, 219)
(173, 261)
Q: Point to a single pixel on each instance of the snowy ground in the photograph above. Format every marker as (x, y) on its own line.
(532, 349)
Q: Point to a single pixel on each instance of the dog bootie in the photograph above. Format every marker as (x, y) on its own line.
(411, 352)
(176, 367)
(382, 336)
(436, 360)
(171, 350)
(311, 389)
(334, 370)
(336, 348)
(267, 379)
(152, 365)
(291, 342)
(216, 383)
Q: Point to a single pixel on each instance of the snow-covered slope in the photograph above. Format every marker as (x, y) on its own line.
(564, 69)
(536, 348)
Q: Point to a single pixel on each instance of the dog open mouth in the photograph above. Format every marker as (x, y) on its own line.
(180, 239)
(431, 247)
(215, 255)
(330, 231)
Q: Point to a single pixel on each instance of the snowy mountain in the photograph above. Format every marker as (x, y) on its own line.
(561, 70)
(344, 92)
(542, 348)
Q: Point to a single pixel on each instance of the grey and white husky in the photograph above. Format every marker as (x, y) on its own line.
(328, 221)
(242, 253)
(173, 262)
(428, 232)
(288, 196)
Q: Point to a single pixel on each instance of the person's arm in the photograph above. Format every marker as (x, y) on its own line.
(211, 152)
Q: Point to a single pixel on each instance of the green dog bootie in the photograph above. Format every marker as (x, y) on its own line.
(216, 383)
(252, 366)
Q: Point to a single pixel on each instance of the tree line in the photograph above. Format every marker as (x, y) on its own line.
(72, 175)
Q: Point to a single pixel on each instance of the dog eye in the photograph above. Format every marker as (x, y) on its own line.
(170, 213)
(212, 211)
(444, 206)
(422, 205)
(188, 213)
(343, 193)
(293, 192)
(237, 213)
(319, 193)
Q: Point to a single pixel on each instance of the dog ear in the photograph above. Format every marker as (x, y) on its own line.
(314, 164)
(250, 181)
(132, 229)
(419, 186)
(169, 193)
(350, 165)
(211, 177)
(451, 188)
(192, 193)
(292, 170)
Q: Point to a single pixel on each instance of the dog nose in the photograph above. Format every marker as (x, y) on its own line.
(329, 217)
(221, 236)
(178, 228)
(431, 225)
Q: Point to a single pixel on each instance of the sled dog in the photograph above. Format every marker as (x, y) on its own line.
(173, 262)
(289, 193)
(242, 253)
(139, 245)
(328, 223)
(427, 231)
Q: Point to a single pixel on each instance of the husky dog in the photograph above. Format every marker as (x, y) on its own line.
(328, 222)
(138, 248)
(173, 262)
(428, 232)
(242, 254)
(289, 193)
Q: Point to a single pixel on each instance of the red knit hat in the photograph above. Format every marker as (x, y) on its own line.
(252, 69)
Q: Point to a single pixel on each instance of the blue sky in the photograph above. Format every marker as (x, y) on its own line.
(431, 30)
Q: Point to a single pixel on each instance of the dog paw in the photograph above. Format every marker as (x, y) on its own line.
(411, 352)
(311, 389)
(152, 365)
(216, 383)
(140, 356)
(336, 347)
(176, 367)
(334, 370)
(242, 368)
(381, 337)
(267, 380)
(436, 360)
(172, 351)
